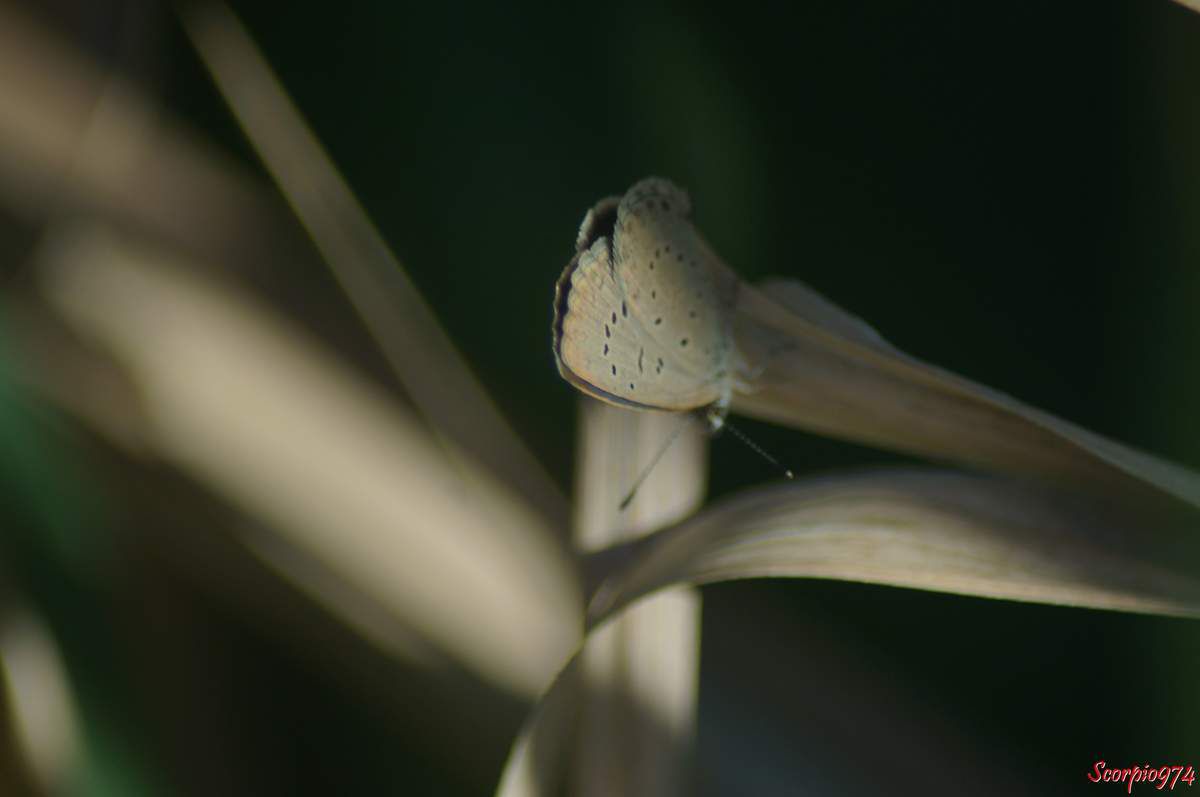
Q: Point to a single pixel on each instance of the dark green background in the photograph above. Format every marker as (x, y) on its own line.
(1009, 191)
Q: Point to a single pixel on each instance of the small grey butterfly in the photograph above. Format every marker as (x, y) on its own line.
(644, 310)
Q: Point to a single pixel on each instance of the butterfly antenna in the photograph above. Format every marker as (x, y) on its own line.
(650, 466)
(753, 446)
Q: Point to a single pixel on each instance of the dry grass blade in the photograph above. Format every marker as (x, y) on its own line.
(934, 530)
(401, 323)
(269, 422)
(826, 371)
(538, 760)
(639, 677)
(927, 529)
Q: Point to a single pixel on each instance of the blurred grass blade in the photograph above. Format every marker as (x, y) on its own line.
(640, 677)
(76, 136)
(920, 528)
(402, 324)
(43, 719)
(823, 370)
(262, 416)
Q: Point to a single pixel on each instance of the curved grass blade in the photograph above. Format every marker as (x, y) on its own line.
(921, 528)
(925, 529)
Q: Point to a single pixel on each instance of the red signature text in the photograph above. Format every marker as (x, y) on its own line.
(1164, 777)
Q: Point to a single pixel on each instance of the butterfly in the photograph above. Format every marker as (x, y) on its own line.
(643, 313)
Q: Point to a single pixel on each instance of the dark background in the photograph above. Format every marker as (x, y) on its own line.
(1007, 191)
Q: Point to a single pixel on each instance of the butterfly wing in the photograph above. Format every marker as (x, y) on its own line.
(677, 292)
(595, 346)
(641, 318)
